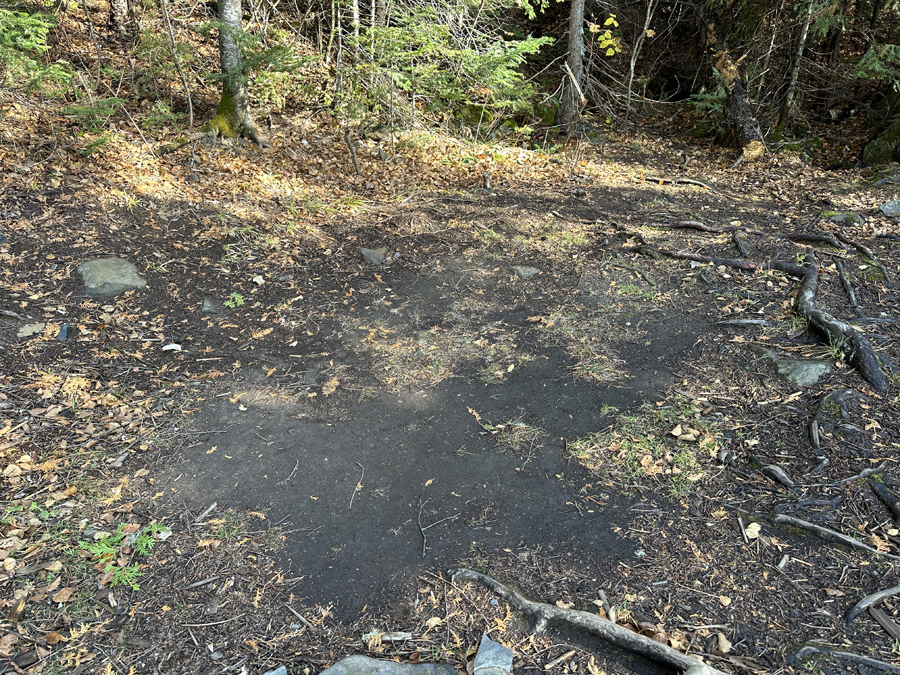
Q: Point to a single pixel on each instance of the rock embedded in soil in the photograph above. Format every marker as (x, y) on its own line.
(210, 306)
(525, 272)
(107, 277)
(30, 329)
(363, 665)
(373, 256)
(801, 372)
(492, 658)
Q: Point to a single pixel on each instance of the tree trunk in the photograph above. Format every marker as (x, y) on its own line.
(120, 16)
(233, 118)
(739, 115)
(573, 99)
(787, 107)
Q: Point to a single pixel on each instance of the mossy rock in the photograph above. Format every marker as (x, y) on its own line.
(546, 113)
(885, 148)
(474, 116)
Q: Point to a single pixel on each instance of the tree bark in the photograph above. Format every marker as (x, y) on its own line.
(573, 99)
(787, 108)
(233, 118)
(120, 16)
(739, 115)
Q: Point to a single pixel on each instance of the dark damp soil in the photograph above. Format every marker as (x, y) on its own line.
(359, 475)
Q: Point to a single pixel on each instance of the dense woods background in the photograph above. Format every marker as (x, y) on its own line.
(749, 73)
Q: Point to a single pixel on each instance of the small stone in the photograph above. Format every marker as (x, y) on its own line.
(65, 331)
(280, 670)
(525, 272)
(30, 329)
(193, 178)
(108, 277)
(4, 239)
(210, 306)
(579, 192)
(373, 256)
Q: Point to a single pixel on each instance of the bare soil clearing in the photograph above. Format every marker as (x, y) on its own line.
(593, 416)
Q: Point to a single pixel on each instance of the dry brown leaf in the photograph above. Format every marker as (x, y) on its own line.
(63, 594)
(330, 386)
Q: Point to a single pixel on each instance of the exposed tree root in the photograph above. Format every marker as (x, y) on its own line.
(829, 534)
(804, 652)
(888, 498)
(866, 251)
(868, 601)
(837, 395)
(848, 287)
(860, 352)
(542, 613)
(813, 237)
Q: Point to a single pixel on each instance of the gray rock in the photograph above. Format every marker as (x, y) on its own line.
(839, 218)
(210, 306)
(363, 665)
(492, 658)
(525, 272)
(109, 276)
(4, 239)
(801, 372)
(280, 670)
(700, 669)
(373, 256)
(891, 208)
(30, 329)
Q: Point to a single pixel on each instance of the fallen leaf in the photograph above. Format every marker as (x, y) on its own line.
(330, 386)
(434, 621)
(834, 592)
(7, 642)
(752, 530)
(63, 594)
(53, 637)
(725, 600)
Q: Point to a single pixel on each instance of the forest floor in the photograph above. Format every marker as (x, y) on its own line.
(289, 480)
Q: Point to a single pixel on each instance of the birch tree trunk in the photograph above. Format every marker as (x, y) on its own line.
(573, 99)
(233, 118)
(787, 108)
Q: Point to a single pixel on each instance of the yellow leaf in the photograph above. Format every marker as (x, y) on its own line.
(208, 542)
(429, 482)
(752, 530)
(434, 621)
(212, 449)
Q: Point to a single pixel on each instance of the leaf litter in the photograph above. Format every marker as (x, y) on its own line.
(86, 423)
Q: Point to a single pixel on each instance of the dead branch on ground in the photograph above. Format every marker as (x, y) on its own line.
(543, 613)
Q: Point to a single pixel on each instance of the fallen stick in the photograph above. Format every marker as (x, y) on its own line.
(611, 632)
(829, 535)
(868, 601)
(808, 650)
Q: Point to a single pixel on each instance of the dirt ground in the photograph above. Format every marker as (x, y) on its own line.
(341, 433)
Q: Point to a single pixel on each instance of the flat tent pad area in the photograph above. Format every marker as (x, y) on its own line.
(358, 479)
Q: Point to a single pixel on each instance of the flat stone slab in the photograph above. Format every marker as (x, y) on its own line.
(891, 208)
(107, 277)
(492, 658)
(524, 272)
(802, 372)
(373, 256)
(363, 665)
